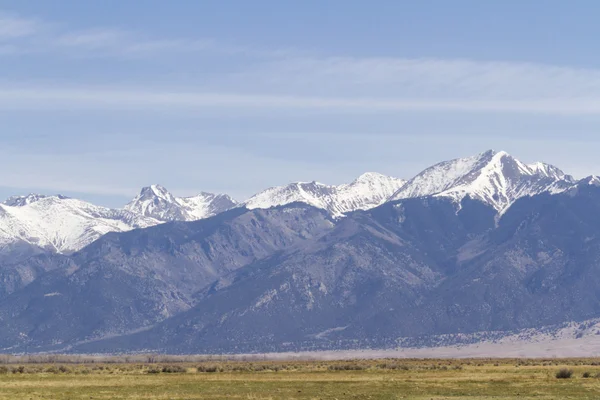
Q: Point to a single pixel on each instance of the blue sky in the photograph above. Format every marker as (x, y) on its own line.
(100, 98)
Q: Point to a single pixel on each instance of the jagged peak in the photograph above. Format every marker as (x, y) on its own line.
(550, 171)
(592, 180)
(209, 195)
(367, 191)
(156, 191)
(494, 177)
(369, 177)
(21, 201)
(157, 202)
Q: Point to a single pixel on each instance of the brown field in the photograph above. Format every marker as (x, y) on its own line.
(353, 379)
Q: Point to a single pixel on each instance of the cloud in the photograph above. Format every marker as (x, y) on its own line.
(13, 26)
(19, 36)
(286, 80)
(426, 78)
(114, 42)
(139, 99)
(92, 39)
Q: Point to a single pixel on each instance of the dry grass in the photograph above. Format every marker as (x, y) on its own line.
(356, 379)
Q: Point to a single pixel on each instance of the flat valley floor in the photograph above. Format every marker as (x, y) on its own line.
(354, 379)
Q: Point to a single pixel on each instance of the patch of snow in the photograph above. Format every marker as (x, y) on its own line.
(266, 298)
(323, 335)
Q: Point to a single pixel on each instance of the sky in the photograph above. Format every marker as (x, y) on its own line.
(100, 98)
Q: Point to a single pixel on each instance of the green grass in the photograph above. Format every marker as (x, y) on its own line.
(359, 379)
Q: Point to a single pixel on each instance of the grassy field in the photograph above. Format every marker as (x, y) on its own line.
(358, 379)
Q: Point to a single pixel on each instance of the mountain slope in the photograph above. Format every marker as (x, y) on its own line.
(352, 282)
(538, 267)
(367, 191)
(157, 202)
(478, 245)
(495, 178)
(127, 281)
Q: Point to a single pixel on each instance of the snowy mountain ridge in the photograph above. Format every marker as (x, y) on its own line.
(64, 225)
(157, 202)
(369, 190)
(495, 178)
(60, 224)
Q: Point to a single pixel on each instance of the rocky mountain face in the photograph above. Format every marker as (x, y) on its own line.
(415, 268)
(481, 244)
(124, 282)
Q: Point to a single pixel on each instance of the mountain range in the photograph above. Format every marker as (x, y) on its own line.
(479, 244)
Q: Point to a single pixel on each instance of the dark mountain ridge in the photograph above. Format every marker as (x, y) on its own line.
(293, 277)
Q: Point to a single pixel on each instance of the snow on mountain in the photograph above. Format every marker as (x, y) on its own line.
(60, 224)
(19, 201)
(496, 178)
(591, 180)
(206, 205)
(367, 191)
(157, 202)
(64, 225)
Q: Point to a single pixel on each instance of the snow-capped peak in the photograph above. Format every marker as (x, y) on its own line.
(64, 225)
(20, 201)
(550, 171)
(157, 202)
(496, 178)
(592, 180)
(205, 205)
(367, 191)
(371, 176)
(60, 224)
(157, 191)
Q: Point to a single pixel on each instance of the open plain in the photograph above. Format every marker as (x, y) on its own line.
(352, 379)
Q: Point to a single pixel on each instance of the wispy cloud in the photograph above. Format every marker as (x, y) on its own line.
(20, 35)
(427, 78)
(114, 42)
(284, 79)
(14, 26)
(118, 99)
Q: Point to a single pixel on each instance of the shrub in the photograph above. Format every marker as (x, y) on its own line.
(173, 369)
(587, 374)
(154, 370)
(208, 368)
(347, 367)
(19, 370)
(64, 369)
(564, 373)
